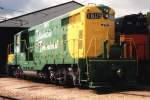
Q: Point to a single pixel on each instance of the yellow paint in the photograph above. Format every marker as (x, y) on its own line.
(11, 58)
(86, 36)
(76, 34)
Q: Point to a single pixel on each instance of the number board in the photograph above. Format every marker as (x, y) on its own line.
(94, 15)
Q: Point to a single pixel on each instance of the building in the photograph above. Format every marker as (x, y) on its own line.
(11, 26)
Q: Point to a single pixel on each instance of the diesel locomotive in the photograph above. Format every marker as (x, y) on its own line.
(135, 27)
(77, 48)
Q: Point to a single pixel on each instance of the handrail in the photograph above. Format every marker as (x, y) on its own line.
(9, 49)
(87, 64)
(60, 44)
(89, 46)
(73, 42)
(132, 40)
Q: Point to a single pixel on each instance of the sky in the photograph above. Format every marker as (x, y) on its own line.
(12, 8)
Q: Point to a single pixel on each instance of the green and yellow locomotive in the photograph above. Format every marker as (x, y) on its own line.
(77, 48)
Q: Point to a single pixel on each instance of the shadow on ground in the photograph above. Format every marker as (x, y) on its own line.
(100, 91)
(134, 91)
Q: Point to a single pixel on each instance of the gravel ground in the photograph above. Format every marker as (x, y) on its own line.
(11, 88)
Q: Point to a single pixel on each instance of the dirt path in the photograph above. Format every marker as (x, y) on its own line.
(11, 88)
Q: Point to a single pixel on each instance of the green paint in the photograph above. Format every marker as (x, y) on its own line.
(46, 44)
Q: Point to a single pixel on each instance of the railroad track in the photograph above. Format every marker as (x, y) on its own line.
(14, 89)
(7, 98)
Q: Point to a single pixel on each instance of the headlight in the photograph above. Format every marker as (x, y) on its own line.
(69, 69)
(119, 73)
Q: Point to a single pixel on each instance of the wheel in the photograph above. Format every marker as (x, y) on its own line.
(61, 76)
(84, 85)
(64, 76)
(17, 72)
(73, 76)
(9, 70)
(69, 81)
(51, 75)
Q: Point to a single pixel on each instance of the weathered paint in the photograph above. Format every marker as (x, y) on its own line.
(141, 43)
(83, 37)
(86, 36)
(65, 39)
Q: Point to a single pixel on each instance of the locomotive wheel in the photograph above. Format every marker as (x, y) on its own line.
(69, 81)
(64, 76)
(17, 72)
(51, 75)
(84, 85)
(60, 76)
(9, 70)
